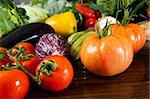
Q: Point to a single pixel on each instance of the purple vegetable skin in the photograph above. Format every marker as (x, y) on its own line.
(51, 44)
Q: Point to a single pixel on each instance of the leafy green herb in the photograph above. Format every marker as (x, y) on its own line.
(35, 14)
(11, 16)
(130, 10)
(108, 7)
(111, 7)
(6, 24)
(53, 6)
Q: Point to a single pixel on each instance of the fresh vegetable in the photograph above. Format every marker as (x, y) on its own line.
(63, 24)
(53, 6)
(75, 42)
(108, 7)
(11, 17)
(111, 7)
(4, 59)
(89, 22)
(51, 44)
(57, 73)
(103, 21)
(90, 16)
(30, 63)
(105, 54)
(129, 30)
(85, 10)
(14, 84)
(36, 14)
(133, 32)
(27, 59)
(30, 32)
(6, 25)
(77, 14)
(29, 48)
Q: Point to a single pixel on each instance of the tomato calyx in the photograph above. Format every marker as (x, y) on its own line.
(48, 67)
(104, 32)
(20, 54)
(8, 66)
(1, 54)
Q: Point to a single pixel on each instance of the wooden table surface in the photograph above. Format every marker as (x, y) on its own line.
(131, 84)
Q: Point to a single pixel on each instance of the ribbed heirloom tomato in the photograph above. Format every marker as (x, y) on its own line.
(133, 32)
(106, 56)
(14, 84)
(56, 73)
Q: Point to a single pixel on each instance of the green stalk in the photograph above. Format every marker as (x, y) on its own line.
(104, 32)
(19, 66)
(27, 72)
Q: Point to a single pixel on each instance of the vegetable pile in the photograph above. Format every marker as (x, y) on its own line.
(51, 44)
(38, 37)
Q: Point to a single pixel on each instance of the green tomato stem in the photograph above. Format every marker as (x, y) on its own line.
(27, 72)
(19, 66)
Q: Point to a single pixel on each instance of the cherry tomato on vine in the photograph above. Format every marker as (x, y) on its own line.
(57, 73)
(29, 48)
(4, 59)
(30, 64)
(14, 84)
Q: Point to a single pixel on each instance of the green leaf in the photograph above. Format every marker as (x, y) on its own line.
(107, 6)
(6, 25)
(138, 7)
(1, 58)
(7, 4)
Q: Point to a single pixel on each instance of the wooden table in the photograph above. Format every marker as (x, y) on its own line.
(132, 84)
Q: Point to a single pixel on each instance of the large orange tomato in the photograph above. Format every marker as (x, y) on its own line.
(106, 56)
(133, 32)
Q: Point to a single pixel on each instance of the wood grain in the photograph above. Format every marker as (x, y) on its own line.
(132, 84)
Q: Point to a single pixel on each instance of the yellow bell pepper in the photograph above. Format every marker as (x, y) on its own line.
(63, 24)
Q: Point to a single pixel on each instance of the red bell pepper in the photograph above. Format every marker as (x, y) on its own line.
(90, 16)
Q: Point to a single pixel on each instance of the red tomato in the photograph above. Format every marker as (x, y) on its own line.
(30, 64)
(28, 47)
(5, 59)
(14, 84)
(3, 49)
(60, 78)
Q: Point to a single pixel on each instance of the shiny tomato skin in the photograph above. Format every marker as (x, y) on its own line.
(90, 22)
(5, 59)
(28, 47)
(14, 84)
(60, 78)
(3, 49)
(106, 56)
(30, 64)
(132, 32)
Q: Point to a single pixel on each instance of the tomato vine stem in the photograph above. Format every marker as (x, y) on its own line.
(18, 65)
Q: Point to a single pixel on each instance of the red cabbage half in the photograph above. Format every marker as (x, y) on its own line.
(51, 44)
